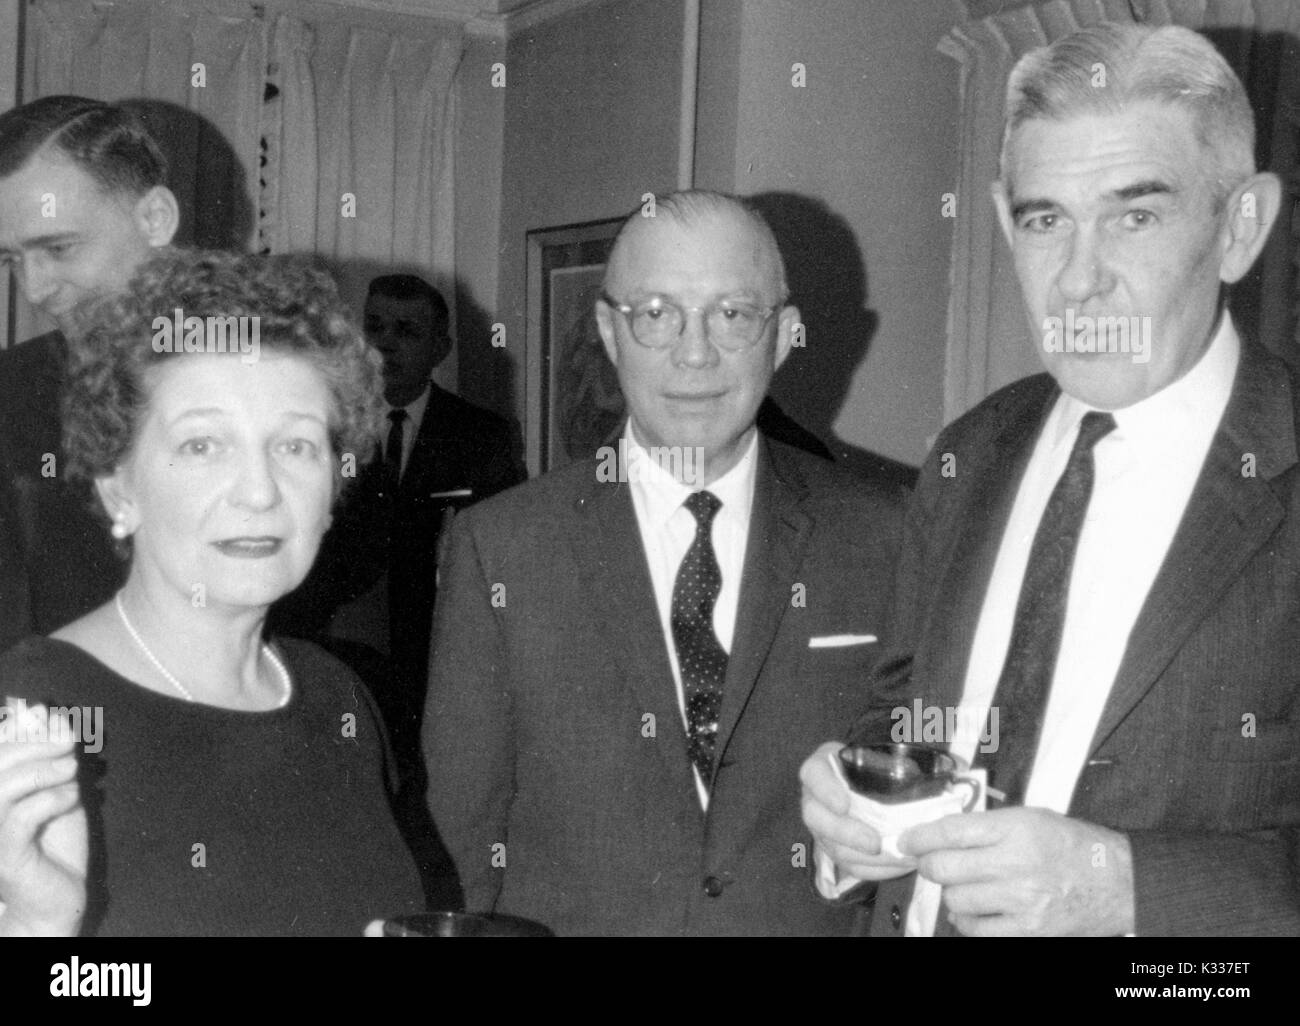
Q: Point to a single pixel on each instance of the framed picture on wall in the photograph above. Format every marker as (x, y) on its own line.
(572, 401)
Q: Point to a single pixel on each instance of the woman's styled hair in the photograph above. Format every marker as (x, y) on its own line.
(298, 313)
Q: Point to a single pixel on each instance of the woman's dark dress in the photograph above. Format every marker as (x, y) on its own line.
(207, 821)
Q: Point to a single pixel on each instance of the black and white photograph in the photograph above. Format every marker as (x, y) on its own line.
(650, 469)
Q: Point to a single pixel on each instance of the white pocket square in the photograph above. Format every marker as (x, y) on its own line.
(841, 640)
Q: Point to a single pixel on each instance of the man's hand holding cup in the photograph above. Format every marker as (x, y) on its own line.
(858, 800)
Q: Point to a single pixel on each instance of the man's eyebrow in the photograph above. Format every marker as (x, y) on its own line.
(1146, 187)
(740, 292)
(1149, 187)
(46, 240)
(1031, 206)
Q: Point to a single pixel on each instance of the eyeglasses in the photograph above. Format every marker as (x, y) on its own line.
(730, 323)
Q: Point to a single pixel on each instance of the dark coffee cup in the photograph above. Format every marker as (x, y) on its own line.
(463, 924)
(893, 772)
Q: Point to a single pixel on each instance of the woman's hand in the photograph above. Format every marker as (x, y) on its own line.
(44, 846)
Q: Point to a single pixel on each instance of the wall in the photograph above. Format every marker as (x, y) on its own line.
(854, 166)
(591, 123)
(858, 159)
(480, 143)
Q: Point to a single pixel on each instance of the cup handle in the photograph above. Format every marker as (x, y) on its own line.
(834, 758)
(974, 784)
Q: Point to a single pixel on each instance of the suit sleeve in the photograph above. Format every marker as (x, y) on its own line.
(467, 734)
(15, 604)
(1216, 885)
(891, 680)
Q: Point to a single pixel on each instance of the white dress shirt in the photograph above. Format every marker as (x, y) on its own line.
(667, 530)
(410, 426)
(1145, 471)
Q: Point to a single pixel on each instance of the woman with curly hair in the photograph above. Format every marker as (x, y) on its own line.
(207, 781)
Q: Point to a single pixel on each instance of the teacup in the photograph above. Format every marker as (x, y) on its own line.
(895, 785)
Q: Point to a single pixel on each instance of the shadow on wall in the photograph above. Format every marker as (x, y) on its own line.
(206, 175)
(489, 363)
(472, 334)
(1264, 303)
(828, 283)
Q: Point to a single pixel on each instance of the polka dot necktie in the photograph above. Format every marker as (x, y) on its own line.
(700, 655)
(393, 450)
(1026, 680)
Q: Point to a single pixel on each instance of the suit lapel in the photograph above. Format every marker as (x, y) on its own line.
(1228, 517)
(977, 537)
(779, 530)
(609, 553)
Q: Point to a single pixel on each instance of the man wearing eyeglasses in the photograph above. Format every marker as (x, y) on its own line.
(632, 653)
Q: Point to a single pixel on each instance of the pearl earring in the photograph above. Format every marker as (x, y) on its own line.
(118, 530)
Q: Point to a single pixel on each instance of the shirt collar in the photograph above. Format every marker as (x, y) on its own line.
(415, 408)
(662, 494)
(1199, 396)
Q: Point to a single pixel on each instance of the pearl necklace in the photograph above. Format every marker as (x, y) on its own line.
(267, 651)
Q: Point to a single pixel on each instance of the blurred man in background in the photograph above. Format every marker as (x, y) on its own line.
(82, 204)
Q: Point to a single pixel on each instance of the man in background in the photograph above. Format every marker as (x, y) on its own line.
(1108, 555)
(370, 595)
(375, 581)
(82, 204)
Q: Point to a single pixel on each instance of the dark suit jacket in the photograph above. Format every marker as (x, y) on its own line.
(459, 446)
(553, 726)
(391, 542)
(58, 555)
(1211, 814)
(15, 600)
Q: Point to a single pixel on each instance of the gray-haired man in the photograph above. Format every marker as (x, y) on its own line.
(1108, 554)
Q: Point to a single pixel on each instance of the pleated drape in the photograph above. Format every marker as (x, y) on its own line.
(332, 136)
(195, 76)
(363, 160)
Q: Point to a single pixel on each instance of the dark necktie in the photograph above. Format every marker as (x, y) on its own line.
(700, 655)
(393, 450)
(1026, 681)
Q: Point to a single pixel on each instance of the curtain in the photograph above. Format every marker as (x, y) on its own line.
(989, 342)
(157, 54)
(360, 150)
(295, 114)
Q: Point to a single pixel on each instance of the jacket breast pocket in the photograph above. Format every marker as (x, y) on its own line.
(850, 664)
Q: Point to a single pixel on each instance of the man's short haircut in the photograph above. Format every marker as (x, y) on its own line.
(410, 286)
(691, 206)
(107, 141)
(1104, 68)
